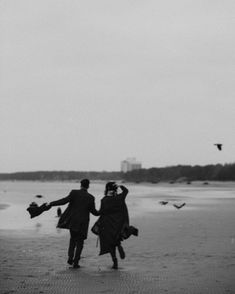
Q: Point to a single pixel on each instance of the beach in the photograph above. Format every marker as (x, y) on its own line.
(187, 250)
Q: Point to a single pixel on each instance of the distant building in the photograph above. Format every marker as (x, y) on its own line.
(130, 164)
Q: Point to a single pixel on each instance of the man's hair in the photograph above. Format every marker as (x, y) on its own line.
(85, 183)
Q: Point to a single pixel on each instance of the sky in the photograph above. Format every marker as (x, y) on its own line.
(86, 84)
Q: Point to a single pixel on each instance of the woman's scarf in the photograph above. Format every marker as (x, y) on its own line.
(111, 193)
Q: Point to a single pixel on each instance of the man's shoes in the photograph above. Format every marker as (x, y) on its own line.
(121, 252)
(70, 261)
(76, 265)
(115, 263)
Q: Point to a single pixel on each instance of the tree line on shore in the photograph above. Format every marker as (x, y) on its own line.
(218, 172)
(60, 176)
(187, 173)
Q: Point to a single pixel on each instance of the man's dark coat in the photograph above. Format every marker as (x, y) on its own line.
(77, 215)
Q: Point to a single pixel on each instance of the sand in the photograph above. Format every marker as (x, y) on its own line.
(191, 250)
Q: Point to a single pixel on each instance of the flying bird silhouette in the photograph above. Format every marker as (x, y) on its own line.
(219, 146)
(179, 206)
(163, 202)
(39, 196)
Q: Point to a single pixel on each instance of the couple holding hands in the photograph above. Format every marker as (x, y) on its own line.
(112, 226)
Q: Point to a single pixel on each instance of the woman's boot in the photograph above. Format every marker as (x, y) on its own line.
(121, 251)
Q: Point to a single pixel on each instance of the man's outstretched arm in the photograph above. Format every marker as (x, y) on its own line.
(61, 201)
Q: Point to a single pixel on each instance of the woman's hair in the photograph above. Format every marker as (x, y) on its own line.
(110, 186)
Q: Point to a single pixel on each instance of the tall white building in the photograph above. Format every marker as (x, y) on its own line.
(130, 164)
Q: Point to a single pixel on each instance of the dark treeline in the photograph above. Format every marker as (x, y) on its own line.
(61, 176)
(216, 172)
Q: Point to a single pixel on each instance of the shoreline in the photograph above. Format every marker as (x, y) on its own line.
(172, 182)
(202, 184)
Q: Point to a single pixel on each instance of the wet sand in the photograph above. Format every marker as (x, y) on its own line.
(4, 206)
(191, 250)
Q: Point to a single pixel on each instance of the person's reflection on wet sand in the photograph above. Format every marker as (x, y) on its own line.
(38, 227)
(58, 230)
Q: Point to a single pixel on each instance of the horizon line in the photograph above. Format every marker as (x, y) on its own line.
(113, 171)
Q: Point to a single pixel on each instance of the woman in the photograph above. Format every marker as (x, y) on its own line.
(113, 219)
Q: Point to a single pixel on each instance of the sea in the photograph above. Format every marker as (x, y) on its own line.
(15, 197)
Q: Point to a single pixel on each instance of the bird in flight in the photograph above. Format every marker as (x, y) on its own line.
(179, 206)
(163, 202)
(39, 196)
(219, 146)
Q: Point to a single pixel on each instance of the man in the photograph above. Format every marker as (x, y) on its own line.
(76, 218)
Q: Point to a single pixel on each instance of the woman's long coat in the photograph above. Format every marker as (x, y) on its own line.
(114, 216)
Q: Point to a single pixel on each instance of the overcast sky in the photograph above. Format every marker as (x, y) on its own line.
(85, 84)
